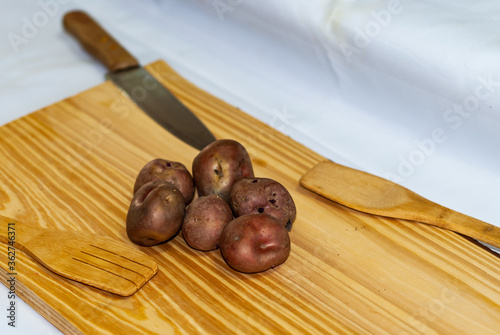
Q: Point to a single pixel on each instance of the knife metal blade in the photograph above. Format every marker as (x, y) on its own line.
(126, 73)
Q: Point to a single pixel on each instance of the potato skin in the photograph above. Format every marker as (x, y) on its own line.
(263, 195)
(254, 243)
(204, 220)
(219, 165)
(155, 213)
(173, 172)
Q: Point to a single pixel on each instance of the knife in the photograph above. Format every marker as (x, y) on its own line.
(126, 73)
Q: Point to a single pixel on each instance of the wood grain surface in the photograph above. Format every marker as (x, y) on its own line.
(73, 164)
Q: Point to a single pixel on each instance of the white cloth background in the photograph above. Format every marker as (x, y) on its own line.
(407, 90)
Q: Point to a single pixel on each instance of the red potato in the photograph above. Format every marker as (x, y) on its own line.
(254, 243)
(263, 195)
(204, 220)
(219, 165)
(155, 214)
(173, 172)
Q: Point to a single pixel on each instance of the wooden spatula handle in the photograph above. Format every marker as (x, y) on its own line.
(98, 42)
(374, 195)
(16, 234)
(7, 230)
(466, 225)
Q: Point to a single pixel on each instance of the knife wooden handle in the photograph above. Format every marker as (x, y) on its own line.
(98, 42)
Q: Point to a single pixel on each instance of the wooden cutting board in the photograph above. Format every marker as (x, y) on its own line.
(72, 165)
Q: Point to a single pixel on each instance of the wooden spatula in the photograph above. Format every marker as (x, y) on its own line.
(374, 195)
(97, 261)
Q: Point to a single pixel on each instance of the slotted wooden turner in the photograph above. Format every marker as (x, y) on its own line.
(374, 195)
(97, 261)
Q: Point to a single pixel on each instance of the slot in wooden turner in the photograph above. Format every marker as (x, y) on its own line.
(374, 195)
(93, 260)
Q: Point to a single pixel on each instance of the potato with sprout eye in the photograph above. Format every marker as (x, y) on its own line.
(263, 195)
(204, 220)
(219, 165)
(173, 172)
(254, 243)
(155, 214)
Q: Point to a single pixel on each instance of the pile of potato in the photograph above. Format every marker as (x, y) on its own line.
(248, 218)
